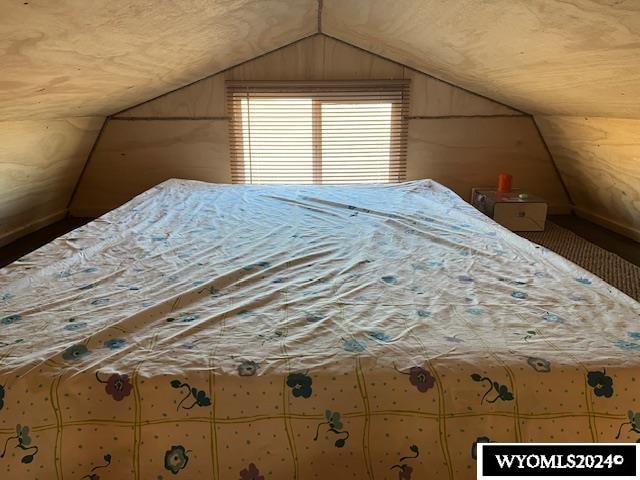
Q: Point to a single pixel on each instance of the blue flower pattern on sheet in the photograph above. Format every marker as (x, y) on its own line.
(453, 339)
(519, 295)
(248, 368)
(626, 345)
(583, 280)
(552, 318)
(540, 365)
(115, 343)
(11, 319)
(73, 325)
(314, 317)
(183, 317)
(176, 458)
(23, 443)
(100, 301)
(390, 280)
(75, 352)
(502, 391)
(601, 383)
(354, 346)
(631, 343)
(253, 266)
(378, 336)
(198, 397)
(300, 384)
(335, 426)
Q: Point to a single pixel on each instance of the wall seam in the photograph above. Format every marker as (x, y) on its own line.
(213, 75)
(425, 73)
(488, 115)
(153, 119)
(86, 164)
(554, 164)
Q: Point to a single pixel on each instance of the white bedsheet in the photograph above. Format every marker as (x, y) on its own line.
(218, 331)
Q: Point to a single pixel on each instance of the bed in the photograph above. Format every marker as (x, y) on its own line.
(303, 332)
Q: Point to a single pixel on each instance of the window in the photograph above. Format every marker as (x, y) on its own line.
(318, 132)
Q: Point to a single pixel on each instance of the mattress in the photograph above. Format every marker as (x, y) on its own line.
(303, 332)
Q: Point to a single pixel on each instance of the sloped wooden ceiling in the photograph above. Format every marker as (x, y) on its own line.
(574, 64)
(66, 63)
(73, 58)
(552, 57)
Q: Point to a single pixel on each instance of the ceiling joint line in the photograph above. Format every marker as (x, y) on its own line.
(425, 73)
(553, 163)
(471, 115)
(154, 119)
(87, 161)
(206, 77)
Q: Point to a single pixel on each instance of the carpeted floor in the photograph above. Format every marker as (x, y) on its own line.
(623, 275)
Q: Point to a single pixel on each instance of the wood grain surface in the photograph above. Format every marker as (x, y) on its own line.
(39, 166)
(599, 159)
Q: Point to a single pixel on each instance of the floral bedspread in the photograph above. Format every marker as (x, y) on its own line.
(265, 332)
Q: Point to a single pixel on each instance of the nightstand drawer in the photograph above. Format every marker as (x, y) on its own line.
(520, 217)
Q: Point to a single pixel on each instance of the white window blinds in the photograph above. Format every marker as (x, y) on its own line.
(318, 132)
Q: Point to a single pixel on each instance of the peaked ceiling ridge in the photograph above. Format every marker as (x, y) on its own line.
(337, 39)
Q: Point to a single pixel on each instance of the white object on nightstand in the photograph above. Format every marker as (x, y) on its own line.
(518, 211)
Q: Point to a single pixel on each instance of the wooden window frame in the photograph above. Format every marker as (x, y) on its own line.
(238, 90)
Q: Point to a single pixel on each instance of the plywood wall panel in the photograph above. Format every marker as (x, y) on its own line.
(40, 162)
(133, 156)
(568, 57)
(201, 99)
(301, 61)
(463, 153)
(599, 159)
(431, 97)
(68, 58)
(319, 58)
(344, 62)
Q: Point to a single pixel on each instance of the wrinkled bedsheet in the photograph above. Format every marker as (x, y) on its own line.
(269, 332)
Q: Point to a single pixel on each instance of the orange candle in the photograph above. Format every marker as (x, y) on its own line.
(504, 183)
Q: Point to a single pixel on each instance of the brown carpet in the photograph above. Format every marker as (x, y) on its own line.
(615, 270)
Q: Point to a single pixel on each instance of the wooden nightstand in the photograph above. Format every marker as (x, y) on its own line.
(517, 210)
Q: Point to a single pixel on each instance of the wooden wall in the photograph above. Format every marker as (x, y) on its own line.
(455, 137)
(40, 162)
(599, 159)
